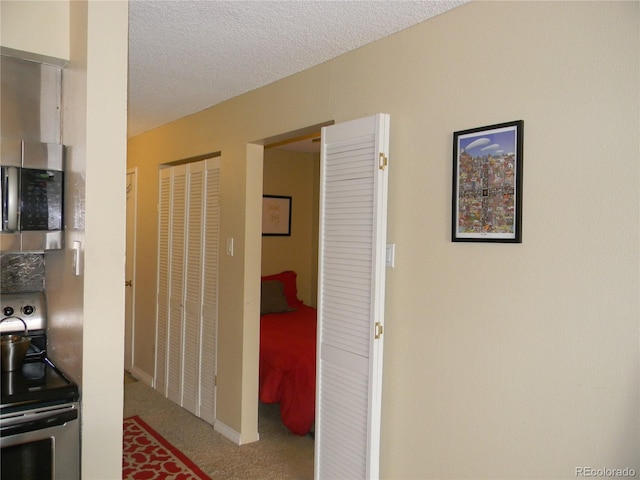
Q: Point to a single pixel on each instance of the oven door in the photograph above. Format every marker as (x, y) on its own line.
(41, 443)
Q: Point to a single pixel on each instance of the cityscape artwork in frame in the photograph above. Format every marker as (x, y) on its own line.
(487, 184)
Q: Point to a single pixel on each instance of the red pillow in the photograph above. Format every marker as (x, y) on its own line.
(288, 279)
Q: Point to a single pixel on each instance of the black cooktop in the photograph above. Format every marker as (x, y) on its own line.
(38, 383)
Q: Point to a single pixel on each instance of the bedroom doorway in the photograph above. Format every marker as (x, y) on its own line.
(291, 170)
(351, 251)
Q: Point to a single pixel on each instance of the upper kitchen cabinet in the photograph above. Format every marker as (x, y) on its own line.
(36, 30)
(31, 156)
(31, 96)
(34, 46)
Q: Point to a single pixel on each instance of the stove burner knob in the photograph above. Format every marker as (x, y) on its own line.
(7, 311)
(28, 309)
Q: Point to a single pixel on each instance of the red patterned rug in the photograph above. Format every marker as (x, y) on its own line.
(147, 455)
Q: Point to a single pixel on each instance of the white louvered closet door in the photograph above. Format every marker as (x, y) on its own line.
(188, 231)
(351, 287)
(194, 236)
(162, 298)
(210, 265)
(176, 282)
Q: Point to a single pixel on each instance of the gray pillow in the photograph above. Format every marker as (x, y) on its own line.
(272, 299)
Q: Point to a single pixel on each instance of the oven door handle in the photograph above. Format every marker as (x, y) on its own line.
(39, 424)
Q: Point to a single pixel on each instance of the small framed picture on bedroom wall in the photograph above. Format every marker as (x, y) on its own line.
(276, 215)
(487, 184)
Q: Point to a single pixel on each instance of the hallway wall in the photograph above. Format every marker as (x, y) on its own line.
(501, 360)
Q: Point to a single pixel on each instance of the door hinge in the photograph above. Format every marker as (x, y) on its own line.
(215, 380)
(382, 161)
(378, 331)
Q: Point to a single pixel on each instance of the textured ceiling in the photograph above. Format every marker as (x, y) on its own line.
(185, 56)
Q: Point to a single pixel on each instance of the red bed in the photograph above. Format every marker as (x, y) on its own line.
(288, 355)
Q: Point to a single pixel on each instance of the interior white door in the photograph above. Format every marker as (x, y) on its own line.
(351, 288)
(130, 269)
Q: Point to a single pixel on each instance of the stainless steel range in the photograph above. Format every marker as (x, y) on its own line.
(39, 411)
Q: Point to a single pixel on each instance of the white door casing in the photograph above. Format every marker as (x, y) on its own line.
(351, 288)
(130, 268)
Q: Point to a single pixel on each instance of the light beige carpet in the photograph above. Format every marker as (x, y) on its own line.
(277, 455)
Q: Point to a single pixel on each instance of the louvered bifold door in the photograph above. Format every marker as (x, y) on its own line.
(176, 283)
(210, 265)
(162, 308)
(193, 287)
(187, 292)
(353, 186)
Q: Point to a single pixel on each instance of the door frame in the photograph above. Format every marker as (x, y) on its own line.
(130, 262)
(373, 456)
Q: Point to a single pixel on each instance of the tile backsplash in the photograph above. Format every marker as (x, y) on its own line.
(21, 272)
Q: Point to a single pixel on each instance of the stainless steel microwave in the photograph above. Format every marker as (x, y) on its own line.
(32, 192)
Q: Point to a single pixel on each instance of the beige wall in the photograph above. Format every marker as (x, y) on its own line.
(294, 174)
(86, 312)
(501, 361)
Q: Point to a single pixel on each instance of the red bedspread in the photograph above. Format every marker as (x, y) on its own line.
(288, 365)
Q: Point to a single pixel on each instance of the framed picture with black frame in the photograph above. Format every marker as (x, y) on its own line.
(276, 215)
(487, 184)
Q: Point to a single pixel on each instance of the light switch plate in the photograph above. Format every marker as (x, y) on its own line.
(76, 258)
(391, 255)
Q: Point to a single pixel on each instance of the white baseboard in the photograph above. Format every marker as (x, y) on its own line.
(142, 376)
(218, 426)
(228, 432)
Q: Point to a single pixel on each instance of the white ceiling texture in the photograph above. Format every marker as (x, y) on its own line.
(186, 56)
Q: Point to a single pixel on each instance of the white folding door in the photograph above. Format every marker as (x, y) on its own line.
(351, 286)
(187, 293)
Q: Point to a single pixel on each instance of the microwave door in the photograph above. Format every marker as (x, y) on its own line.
(10, 183)
(40, 200)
